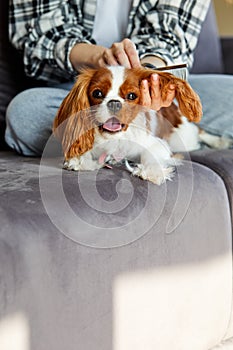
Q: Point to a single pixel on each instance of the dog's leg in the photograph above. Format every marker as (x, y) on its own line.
(214, 141)
(156, 163)
(84, 162)
(153, 173)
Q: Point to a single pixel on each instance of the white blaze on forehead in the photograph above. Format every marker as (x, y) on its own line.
(118, 77)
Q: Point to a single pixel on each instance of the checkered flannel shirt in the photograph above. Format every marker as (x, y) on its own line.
(46, 30)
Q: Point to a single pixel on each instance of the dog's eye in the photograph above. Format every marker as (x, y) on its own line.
(131, 96)
(97, 94)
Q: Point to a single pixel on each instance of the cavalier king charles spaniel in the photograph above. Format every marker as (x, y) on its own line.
(102, 122)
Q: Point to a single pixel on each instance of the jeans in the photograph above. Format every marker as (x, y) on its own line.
(30, 114)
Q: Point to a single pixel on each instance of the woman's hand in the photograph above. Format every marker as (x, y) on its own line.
(151, 97)
(123, 53)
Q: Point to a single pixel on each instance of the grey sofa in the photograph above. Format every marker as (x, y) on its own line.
(104, 261)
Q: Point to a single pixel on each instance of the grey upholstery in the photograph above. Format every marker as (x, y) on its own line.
(105, 261)
(214, 160)
(208, 54)
(176, 278)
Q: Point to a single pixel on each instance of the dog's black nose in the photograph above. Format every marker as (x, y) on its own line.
(114, 106)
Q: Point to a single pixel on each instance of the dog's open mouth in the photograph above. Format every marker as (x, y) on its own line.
(112, 125)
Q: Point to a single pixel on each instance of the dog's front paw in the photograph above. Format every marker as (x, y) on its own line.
(154, 174)
(81, 163)
(72, 164)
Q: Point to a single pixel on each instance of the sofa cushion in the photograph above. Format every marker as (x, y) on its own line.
(8, 88)
(218, 105)
(175, 278)
(10, 71)
(13, 79)
(227, 50)
(208, 55)
(220, 161)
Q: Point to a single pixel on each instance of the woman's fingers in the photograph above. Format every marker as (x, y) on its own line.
(145, 94)
(120, 55)
(131, 52)
(109, 58)
(156, 99)
(123, 53)
(151, 94)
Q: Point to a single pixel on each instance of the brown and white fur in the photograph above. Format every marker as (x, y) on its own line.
(102, 117)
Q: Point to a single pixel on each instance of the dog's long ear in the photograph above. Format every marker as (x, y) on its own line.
(188, 100)
(72, 124)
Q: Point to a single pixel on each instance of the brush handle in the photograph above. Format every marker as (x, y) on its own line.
(179, 70)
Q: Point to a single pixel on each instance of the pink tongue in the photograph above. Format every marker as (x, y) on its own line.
(112, 124)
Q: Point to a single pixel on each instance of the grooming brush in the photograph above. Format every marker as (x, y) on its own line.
(179, 70)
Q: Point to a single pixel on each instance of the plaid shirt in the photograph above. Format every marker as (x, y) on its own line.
(46, 30)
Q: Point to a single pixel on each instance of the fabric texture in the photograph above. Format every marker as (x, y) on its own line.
(30, 117)
(8, 86)
(177, 283)
(211, 60)
(221, 162)
(12, 77)
(215, 92)
(46, 34)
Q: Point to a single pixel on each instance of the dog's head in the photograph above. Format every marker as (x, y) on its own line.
(115, 97)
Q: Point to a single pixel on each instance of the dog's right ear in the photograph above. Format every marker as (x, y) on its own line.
(188, 100)
(72, 125)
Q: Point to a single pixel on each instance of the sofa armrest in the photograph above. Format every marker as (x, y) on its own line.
(227, 54)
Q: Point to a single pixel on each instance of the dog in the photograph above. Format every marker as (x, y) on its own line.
(101, 121)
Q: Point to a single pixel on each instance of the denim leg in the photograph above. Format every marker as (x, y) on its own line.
(29, 119)
(216, 93)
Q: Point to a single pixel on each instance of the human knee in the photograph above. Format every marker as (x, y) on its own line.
(30, 117)
(23, 122)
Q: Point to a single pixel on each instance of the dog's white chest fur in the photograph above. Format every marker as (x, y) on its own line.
(152, 155)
